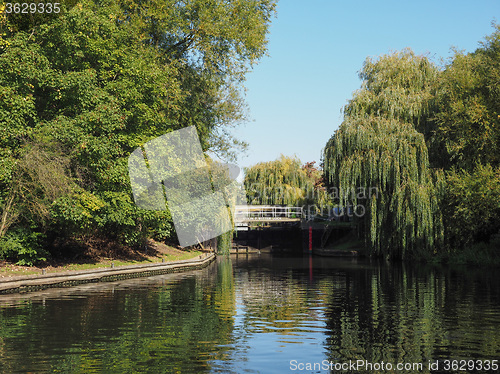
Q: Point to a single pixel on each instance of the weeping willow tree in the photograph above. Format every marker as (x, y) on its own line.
(378, 147)
(282, 182)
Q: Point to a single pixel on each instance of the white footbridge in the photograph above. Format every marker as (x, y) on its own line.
(246, 214)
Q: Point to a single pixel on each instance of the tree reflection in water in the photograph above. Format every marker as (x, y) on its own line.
(255, 314)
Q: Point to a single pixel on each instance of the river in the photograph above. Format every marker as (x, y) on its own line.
(262, 314)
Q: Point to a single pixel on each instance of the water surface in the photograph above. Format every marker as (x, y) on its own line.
(258, 314)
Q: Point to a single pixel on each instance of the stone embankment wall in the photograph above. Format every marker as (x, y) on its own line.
(73, 278)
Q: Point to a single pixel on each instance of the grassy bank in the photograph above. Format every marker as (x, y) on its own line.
(155, 252)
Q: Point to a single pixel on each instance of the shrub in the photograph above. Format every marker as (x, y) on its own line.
(24, 246)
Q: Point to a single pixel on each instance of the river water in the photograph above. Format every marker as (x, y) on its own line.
(262, 314)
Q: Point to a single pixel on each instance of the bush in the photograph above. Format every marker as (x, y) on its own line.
(112, 216)
(24, 246)
(472, 206)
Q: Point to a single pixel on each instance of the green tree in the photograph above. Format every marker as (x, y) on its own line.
(466, 126)
(378, 146)
(83, 83)
(215, 43)
(472, 204)
(465, 139)
(103, 78)
(284, 182)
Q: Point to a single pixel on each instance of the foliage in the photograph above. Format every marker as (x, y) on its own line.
(12, 23)
(378, 146)
(472, 206)
(37, 178)
(400, 85)
(392, 157)
(314, 173)
(101, 79)
(215, 43)
(24, 245)
(77, 212)
(224, 243)
(466, 141)
(283, 182)
(408, 116)
(466, 125)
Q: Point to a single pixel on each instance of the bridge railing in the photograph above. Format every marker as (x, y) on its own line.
(266, 212)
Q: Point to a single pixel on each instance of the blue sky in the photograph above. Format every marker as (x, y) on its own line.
(317, 47)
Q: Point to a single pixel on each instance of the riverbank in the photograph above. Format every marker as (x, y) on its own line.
(163, 260)
(101, 256)
(478, 254)
(73, 278)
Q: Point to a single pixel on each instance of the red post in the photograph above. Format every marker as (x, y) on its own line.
(310, 268)
(310, 238)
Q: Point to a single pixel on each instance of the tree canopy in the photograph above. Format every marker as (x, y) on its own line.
(100, 79)
(283, 182)
(378, 146)
(428, 138)
(466, 123)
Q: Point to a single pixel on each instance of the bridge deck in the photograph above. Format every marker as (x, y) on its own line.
(267, 213)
